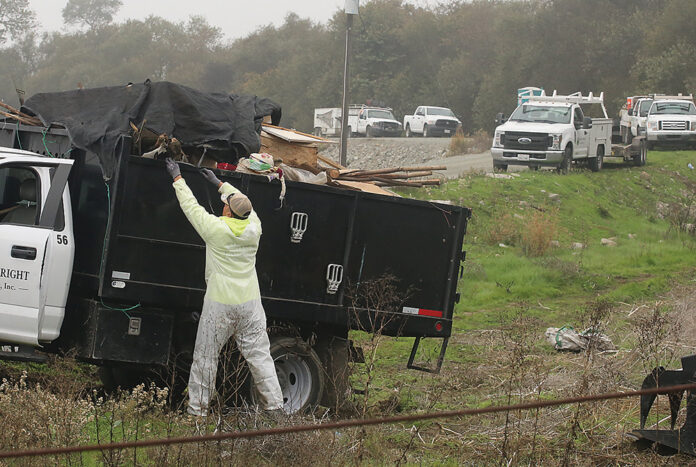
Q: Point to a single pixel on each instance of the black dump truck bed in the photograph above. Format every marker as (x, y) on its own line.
(141, 250)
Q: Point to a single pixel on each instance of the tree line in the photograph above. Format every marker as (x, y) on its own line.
(470, 56)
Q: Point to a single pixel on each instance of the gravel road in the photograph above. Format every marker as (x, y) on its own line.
(377, 153)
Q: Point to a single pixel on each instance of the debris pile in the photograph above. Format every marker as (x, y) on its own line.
(213, 130)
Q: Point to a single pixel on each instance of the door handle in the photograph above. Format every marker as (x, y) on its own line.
(23, 252)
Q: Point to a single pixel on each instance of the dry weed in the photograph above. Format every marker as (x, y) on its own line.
(540, 229)
(474, 143)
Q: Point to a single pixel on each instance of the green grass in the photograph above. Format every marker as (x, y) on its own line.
(616, 202)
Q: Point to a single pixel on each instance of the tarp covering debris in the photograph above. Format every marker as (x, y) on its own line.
(97, 119)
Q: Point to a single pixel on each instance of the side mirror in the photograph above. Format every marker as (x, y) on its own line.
(587, 123)
(500, 118)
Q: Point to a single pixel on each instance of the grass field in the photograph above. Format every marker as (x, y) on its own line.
(535, 259)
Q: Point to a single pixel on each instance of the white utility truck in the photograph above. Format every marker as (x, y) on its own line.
(377, 121)
(431, 121)
(327, 120)
(671, 121)
(634, 114)
(552, 131)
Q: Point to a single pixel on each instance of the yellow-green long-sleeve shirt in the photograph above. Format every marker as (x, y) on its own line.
(230, 248)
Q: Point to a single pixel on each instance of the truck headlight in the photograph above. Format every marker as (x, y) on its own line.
(556, 141)
(654, 126)
(693, 125)
(498, 139)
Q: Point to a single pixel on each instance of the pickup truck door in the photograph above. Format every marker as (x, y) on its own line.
(582, 136)
(36, 248)
(418, 120)
(362, 122)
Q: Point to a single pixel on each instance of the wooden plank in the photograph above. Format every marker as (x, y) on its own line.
(330, 162)
(362, 186)
(19, 119)
(282, 133)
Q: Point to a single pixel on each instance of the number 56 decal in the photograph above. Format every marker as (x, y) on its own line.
(62, 239)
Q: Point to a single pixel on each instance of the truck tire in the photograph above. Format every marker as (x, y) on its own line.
(567, 161)
(300, 374)
(408, 131)
(641, 158)
(425, 131)
(596, 163)
(334, 353)
(368, 132)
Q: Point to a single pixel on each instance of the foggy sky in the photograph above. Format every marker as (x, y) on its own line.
(234, 17)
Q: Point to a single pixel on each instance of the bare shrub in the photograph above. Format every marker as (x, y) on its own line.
(503, 229)
(477, 142)
(539, 230)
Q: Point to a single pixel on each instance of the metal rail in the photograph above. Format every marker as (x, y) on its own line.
(342, 424)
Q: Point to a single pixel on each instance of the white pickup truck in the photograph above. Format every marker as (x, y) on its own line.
(431, 121)
(633, 117)
(552, 131)
(377, 121)
(671, 121)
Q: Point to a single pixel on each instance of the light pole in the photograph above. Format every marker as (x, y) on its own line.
(351, 9)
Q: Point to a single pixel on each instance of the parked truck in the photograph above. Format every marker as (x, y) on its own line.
(377, 121)
(431, 121)
(552, 131)
(634, 114)
(671, 121)
(112, 271)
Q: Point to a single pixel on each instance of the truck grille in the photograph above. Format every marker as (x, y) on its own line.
(446, 124)
(390, 126)
(665, 125)
(538, 141)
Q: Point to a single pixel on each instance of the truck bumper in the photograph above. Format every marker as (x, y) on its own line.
(385, 132)
(672, 136)
(515, 157)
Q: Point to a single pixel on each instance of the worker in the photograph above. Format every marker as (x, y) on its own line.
(232, 303)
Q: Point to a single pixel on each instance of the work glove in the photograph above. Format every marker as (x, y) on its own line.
(172, 167)
(210, 176)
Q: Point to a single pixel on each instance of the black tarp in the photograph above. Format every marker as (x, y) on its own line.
(97, 119)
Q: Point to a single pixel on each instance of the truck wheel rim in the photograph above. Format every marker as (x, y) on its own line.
(295, 380)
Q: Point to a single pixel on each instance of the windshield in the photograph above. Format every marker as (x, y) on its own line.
(541, 114)
(673, 108)
(380, 114)
(436, 111)
(645, 106)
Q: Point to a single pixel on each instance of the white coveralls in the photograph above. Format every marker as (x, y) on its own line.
(232, 303)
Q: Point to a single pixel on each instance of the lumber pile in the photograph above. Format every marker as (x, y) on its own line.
(10, 112)
(390, 177)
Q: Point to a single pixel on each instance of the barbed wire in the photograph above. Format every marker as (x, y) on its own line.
(343, 424)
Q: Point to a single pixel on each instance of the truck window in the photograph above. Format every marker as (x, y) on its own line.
(443, 112)
(541, 114)
(381, 114)
(578, 114)
(673, 108)
(645, 107)
(19, 195)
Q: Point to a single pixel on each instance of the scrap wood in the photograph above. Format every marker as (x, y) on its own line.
(20, 113)
(408, 175)
(21, 119)
(279, 132)
(412, 183)
(399, 169)
(361, 186)
(330, 162)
